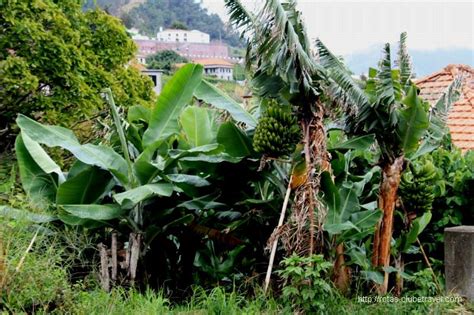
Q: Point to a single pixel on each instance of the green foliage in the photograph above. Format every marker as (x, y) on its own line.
(177, 25)
(56, 59)
(239, 72)
(417, 226)
(306, 283)
(217, 268)
(277, 132)
(279, 47)
(164, 60)
(422, 284)
(175, 172)
(453, 203)
(210, 94)
(175, 96)
(344, 213)
(42, 286)
(388, 107)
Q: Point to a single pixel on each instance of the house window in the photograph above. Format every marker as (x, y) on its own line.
(153, 78)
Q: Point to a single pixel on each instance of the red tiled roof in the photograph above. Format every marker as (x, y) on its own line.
(461, 116)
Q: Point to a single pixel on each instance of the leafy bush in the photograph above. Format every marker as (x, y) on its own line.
(422, 284)
(164, 60)
(453, 203)
(306, 283)
(56, 59)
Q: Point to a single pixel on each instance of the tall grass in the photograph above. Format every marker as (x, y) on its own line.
(41, 284)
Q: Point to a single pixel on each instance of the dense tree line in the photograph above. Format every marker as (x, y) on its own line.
(164, 60)
(56, 59)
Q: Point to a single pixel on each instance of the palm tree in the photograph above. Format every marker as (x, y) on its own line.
(390, 109)
(283, 67)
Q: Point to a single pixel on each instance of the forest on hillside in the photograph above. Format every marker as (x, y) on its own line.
(148, 16)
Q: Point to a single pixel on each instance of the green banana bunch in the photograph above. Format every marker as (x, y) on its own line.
(417, 186)
(277, 132)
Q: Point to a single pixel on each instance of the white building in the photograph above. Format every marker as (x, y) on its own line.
(183, 36)
(218, 68)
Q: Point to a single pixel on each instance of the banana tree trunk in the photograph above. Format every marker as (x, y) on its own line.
(341, 271)
(388, 194)
(317, 160)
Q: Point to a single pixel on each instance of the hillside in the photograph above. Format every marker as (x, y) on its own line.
(114, 7)
(149, 15)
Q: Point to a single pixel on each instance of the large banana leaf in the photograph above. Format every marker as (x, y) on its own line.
(42, 158)
(193, 180)
(215, 97)
(413, 121)
(344, 215)
(137, 113)
(205, 149)
(130, 198)
(216, 158)
(85, 188)
(55, 136)
(356, 143)
(202, 203)
(146, 167)
(175, 96)
(388, 89)
(95, 212)
(38, 185)
(197, 124)
(419, 224)
(236, 143)
(76, 221)
(341, 204)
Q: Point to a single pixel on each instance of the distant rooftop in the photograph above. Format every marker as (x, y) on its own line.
(180, 30)
(461, 116)
(207, 62)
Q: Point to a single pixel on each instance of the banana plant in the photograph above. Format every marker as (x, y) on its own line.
(350, 201)
(176, 166)
(104, 185)
(390, 108)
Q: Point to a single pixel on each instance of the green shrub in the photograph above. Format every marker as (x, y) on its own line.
(307, 287)
(453, 204)
(423, 284)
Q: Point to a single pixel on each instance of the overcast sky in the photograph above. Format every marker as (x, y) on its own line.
(351, 26)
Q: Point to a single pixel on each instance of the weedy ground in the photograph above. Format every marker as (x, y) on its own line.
(37, 279)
